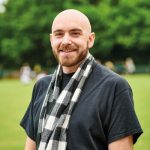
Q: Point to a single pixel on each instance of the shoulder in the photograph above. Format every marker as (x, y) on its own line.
(110, 79)
(43, 82)
(41, 85)
(44, 79)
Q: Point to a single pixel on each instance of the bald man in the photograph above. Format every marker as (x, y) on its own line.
(82, 105)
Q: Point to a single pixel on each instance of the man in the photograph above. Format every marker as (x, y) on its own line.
(83, 105)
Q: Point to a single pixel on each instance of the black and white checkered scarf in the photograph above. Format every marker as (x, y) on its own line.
(57, 106)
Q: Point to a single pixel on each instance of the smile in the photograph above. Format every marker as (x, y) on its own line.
(67, 51)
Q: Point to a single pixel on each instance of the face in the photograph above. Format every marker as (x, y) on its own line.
(71, 39)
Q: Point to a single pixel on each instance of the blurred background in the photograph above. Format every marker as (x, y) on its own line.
(122, 29)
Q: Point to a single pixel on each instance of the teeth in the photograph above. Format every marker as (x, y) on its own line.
(62, 50)
(66, 50)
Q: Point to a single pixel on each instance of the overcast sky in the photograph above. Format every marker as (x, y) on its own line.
(2, 8)
(1, 1)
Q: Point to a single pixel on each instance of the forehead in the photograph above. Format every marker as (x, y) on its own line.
(67, 25)
(71, 20)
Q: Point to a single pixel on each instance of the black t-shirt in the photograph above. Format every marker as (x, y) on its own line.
(65, 80)
(104, 112)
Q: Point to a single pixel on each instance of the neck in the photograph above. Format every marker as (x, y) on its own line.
(70, 69)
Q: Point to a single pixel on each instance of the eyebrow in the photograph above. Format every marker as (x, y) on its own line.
(57, 31)
(75, 29)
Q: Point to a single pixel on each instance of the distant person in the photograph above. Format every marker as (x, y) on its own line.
(130, 66)
(38, 72)
(110, 65)
(82, 105)
(25, 74)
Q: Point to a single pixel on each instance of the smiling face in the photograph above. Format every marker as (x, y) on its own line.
(71, 39)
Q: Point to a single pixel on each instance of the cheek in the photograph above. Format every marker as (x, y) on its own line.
(85, 44)
(82, 43)
(55, 43)
(54, 46)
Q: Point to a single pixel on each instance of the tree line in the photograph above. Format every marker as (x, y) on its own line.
(122, 29)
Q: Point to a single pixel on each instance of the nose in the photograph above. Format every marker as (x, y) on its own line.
(66, 39)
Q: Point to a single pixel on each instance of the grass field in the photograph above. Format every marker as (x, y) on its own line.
(15, 97)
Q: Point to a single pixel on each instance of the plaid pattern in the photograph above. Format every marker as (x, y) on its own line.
(57, 107)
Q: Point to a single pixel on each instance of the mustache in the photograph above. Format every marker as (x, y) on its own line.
(67, 47)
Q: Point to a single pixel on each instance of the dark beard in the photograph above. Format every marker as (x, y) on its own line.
(78, 61)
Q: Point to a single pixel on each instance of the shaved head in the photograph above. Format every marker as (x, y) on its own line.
(70, 15)
(71, 38)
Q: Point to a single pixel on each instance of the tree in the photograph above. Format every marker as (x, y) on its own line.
(121, 27)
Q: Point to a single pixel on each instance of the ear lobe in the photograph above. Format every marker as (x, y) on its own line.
(91, 40)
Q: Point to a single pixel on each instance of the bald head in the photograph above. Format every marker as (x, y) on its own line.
(71, 16)
(71, 39)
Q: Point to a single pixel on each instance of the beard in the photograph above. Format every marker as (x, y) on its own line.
(70, 55)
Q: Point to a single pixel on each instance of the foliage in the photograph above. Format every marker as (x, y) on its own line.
(121, 27)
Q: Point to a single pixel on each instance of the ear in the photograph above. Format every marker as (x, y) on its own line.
(50, 37)
(91, 40)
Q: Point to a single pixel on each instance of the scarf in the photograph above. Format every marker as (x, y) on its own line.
(58, 106)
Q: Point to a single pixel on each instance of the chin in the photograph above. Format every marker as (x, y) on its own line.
(67, 64)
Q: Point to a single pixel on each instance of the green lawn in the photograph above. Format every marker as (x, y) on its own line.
(141, 90)
(15, 97)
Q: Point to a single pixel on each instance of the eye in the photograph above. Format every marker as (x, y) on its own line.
(58, 34)
(75, 34)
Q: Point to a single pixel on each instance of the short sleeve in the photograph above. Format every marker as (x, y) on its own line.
(27, 120)
(124, 121)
